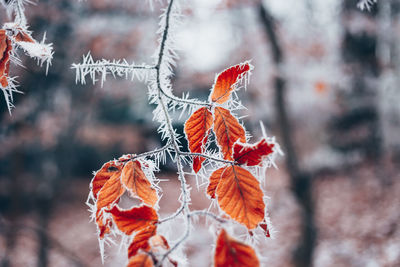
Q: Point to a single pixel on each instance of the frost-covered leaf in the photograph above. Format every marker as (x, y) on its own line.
(21, 36)
(134, 179)
(5, 50)
(103, 227)
(227, 130)
(214, 181)
(252, 154)
(227, 81)
(101, 177)
(158, 241)
(232, 253)
(135, 219)
(140, 260)
(141, 240)
(240, 196)
(197, 129)
(111, 192)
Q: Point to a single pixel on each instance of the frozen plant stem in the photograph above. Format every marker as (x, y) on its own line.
(19, 12)
(178, 159)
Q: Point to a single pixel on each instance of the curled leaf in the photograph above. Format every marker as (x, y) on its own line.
(252, 155)
(135, 219)
(227, 130)
(197, 129)
(226, 82)
(134, 179)
(232, 253)
(240, 196)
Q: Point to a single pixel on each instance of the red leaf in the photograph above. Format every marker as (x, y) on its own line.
(101, 177)
(137, 184)
(226, 82)
(251, 155)
(232, 253)
(135, 219)
(228, 130)
(141, 240)
(265, 228)
(110, 192)
(240, 196)
(214, 181)
(5, 50)
(140, 260)
(197, 129)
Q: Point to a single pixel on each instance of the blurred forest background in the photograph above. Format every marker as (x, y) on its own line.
(326, 84)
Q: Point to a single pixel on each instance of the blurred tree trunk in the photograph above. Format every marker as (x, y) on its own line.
(356, 128)
(301, 182)
(14, 208)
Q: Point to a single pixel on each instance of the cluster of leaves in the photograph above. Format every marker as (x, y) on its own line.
(107, 187)
(235, 188)
(13, 36)
(238, 192)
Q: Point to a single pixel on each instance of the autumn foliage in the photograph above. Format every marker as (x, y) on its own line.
(232, 185)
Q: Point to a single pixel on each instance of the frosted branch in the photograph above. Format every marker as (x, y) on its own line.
(103, 67)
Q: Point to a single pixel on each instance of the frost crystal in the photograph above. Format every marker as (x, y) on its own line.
(366, 4)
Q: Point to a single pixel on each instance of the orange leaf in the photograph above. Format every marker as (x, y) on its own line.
(110, 192)
(104, 228)
(232, 253)
(136, 182)
(5, 50)
(251, 155)
(141, 260)
(228, 130)
(102, 176)
(226, 82)
(197, 129)
(135, 219)
(240, 196)
(214, 181)
(141, 240)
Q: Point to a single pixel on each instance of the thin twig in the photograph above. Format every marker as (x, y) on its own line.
(181, 174)
(151, 153)
(208, 214)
